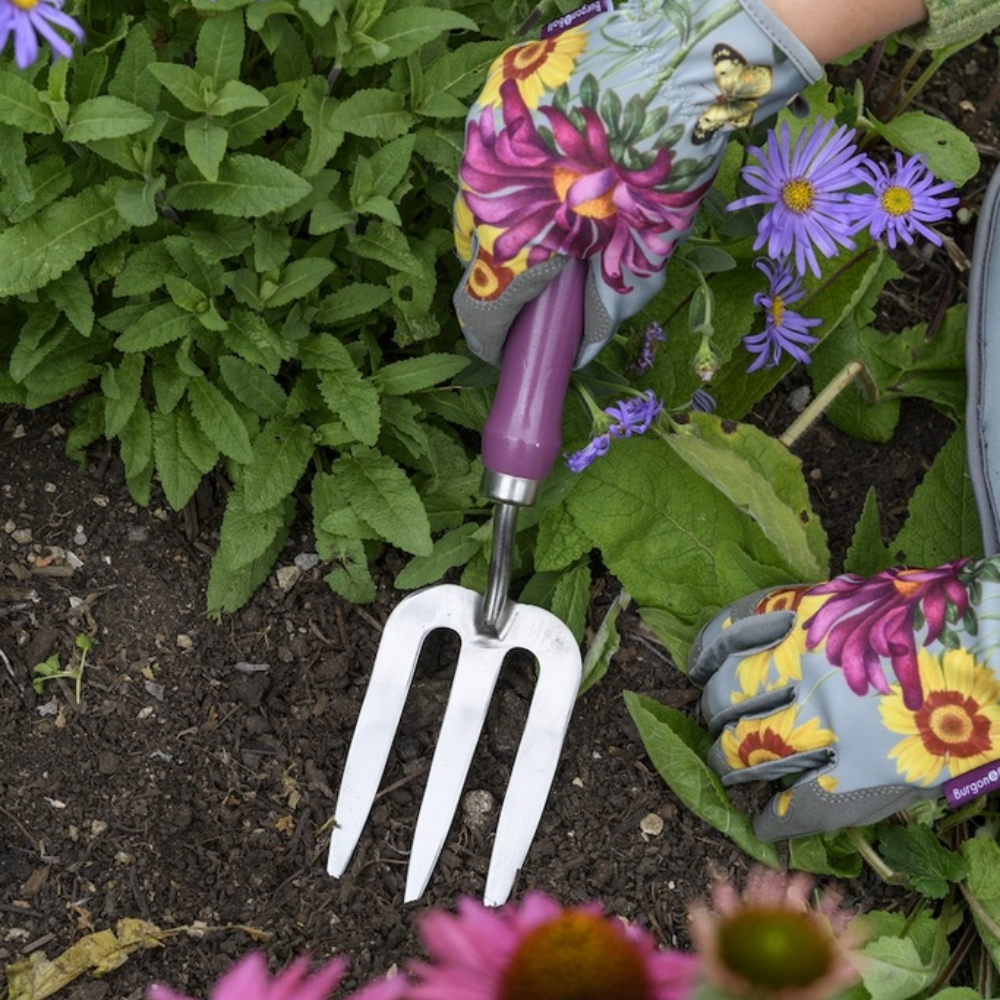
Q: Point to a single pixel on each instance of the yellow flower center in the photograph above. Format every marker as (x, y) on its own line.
(897, 200)
(576, 956)
(775, 949)
(595, 208)
(951, 724)
(25, 4)
(777, 309)
(798, 194)
(528, 58)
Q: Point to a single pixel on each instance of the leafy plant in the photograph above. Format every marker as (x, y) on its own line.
(51, 669)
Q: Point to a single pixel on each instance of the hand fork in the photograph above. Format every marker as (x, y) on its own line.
(521, 440)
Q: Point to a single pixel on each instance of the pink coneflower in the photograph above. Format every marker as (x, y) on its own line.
(539, 950)
(249, 979)
(27, 19)
(771, 943)
(804, 184)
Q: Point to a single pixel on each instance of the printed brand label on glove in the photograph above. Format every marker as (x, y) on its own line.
(972, 784)
(578, 16)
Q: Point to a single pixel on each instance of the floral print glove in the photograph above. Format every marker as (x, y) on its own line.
(871, 693)
(599, 142)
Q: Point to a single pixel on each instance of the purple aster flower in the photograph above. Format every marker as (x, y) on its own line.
(784, 330)
(903, 200)
(652, 336)
(805, 185)
(574, 200)
(703, 402)
(27, 19)
(865, 619)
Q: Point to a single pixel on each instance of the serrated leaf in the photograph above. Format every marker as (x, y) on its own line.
(122, 387)
(299, 278)
(401, 32)
(414, 374)
(136, 201)
(868, 554)
(247, 186)
(350, 302)
(105, 117)
(182, 82)
(218, 419)
(50, 242)
(21, 106)
(353, 579)
(281, 454)
(560, 541)
(253, 386)
(132, 80)
(571, 599)
(372, 114)
(604, 645)
(982, 857)
(388, 245)
(390, 163)
(157, 326)
(453, 548)
(248, 127)
(677, 748)
(206, 145)
(238, 96)
(942, 522)
(916, 852)
(72, 296)
(382, 496)
(462, 72)
(219, 50)
(348, 394)
(246, 535)
(178, 475)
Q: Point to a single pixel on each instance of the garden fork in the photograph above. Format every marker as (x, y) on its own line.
(521, 440)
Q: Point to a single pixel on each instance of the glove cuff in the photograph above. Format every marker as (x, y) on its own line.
(771, 25)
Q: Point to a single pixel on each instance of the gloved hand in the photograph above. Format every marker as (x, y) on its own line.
(874, 693)
(600, 143)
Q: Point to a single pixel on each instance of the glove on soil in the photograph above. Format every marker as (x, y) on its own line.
(599, 143)
(873, 693)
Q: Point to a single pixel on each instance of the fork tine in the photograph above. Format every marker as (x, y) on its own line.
(560, 670)
(399, 649)
(479, 663)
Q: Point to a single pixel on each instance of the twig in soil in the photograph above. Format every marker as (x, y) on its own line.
(818, 406)
(36, 845)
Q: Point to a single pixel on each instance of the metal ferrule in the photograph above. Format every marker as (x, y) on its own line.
(510, 489)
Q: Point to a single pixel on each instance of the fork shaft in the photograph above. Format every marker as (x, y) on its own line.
(494, 603)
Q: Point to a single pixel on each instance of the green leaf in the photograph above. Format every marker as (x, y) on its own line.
(572, 599)
(105, 117)
(388, 245)
(178, 475)
(868, 554)
(246, 535)
(916, 851)
(453, 548)
(400, 378)
(677, 748)
(604, 645)
(401, 32)
(238, 96)
(318, 109)
(136, 201)
(348, 394)
(982, 856)
(254, 123)
(72, 296)
(122, 387)
(299, 278)
(21, 106)
(353, 580)
(942, 521)
(350, 302)
(206, 145)
(893, 970)
(247, 186)
(219, 51)
(253, 386)
(49, 243)
(133, 81)
(560, 541)
(373, 114)
(281, 454)
(183, 82)
(162, 324)
(218, 419)
(462, 72)
(381, 495)
(951, 155)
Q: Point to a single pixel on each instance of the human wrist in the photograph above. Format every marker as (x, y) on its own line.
(831, 30)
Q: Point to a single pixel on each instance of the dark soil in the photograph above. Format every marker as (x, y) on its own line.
(192, 790)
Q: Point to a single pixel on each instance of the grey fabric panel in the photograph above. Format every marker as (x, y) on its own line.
(982, 358)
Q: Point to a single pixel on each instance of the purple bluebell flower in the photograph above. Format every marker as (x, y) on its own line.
(784, 329)
(703, 402)
(804, 184)
(629, 416)
(903, 200)
(27, 19)
(652, 336)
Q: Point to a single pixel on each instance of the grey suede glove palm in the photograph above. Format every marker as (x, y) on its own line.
(868, 695)
(599, 142)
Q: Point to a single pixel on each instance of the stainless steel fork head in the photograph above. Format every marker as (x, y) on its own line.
(448, 606)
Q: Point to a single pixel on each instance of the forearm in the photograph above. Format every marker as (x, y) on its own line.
(832, 29)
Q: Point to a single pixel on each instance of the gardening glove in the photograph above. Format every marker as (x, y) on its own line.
(599, 142)
(872, 694)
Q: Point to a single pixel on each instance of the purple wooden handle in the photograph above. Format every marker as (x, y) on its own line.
(523, 433)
